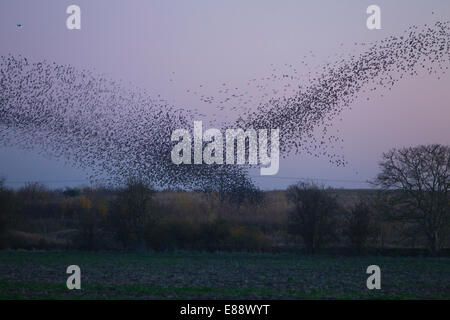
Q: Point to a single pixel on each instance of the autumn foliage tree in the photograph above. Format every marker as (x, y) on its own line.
(91, 213)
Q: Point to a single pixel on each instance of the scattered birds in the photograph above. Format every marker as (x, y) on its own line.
(122, 133)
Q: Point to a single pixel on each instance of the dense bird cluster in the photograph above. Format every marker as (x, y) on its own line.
(95, 123)
(122, 133)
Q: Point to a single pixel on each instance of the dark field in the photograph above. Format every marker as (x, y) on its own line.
(195, 275)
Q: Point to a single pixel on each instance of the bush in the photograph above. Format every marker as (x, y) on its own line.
(313, 215)
(130, 211)
(72, 192)
(7, 202)
(246, 239)
(91, 214)
(359, 225)
(218, 235)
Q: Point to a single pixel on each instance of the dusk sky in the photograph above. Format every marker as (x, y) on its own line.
(170, 47)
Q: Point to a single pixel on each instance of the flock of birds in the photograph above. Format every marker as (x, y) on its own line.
(122, 133)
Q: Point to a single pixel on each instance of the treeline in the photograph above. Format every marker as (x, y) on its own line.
(136, 217)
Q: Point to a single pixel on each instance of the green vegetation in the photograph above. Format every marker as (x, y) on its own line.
(200, 275)
(203, 245)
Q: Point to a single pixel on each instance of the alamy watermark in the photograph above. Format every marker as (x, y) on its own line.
(235, 147)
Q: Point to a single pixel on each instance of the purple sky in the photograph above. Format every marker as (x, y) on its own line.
(167, 47)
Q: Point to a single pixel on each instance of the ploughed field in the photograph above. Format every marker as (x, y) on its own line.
(196, 275)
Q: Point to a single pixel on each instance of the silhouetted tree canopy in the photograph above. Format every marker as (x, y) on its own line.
(420, 177)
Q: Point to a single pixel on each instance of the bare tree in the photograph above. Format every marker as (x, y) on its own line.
(7, 207)
(420, 178)
(91, 214)
(359, 225)
(130, 212)
(313, 214)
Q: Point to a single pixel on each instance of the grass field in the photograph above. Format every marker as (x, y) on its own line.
(195, 275)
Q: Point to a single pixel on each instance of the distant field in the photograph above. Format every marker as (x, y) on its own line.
(194, 275)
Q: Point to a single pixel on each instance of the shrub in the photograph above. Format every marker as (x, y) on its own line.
(215, 235)
(71, 192)
(313, 215)
(91, 213)
(130, 211)
(7, 204)
(358, 225)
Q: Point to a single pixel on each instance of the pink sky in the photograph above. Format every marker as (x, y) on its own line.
(168, 47)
